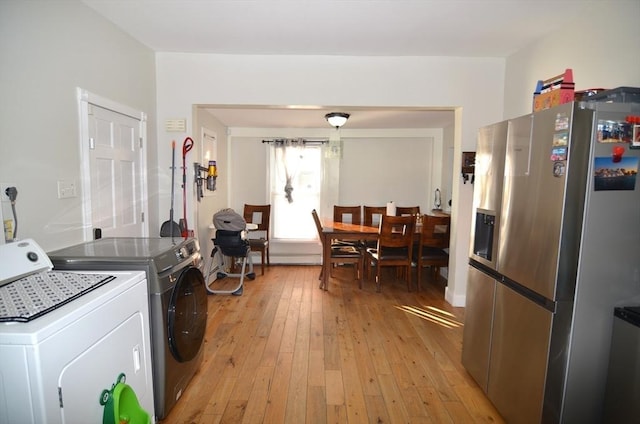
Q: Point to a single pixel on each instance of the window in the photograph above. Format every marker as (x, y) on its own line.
(295, 186)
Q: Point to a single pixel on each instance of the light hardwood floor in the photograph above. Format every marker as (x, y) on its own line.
(287, 352)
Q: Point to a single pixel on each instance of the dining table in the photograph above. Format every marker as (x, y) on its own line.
(332, 230)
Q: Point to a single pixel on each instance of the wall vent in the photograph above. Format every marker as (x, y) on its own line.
(175, 125)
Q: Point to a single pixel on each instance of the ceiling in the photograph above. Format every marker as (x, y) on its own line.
(361, 118)
(464, 28)
(481, 28)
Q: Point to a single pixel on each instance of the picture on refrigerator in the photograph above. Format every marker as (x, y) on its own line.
(610, 174)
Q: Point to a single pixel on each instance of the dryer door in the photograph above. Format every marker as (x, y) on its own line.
(187, 315)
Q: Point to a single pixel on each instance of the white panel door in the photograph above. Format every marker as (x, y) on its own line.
(115, 173)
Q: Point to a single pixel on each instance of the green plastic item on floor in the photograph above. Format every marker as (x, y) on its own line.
(121, 405)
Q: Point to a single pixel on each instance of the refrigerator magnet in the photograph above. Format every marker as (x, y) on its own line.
(561, 138)
(559, 169)
(609, 174)
(558, 153)
(562, 122)
(616, 153)
(613, 131)
(635, 141)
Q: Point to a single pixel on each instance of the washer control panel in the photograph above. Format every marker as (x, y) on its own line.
(187, 250)
(22, 258)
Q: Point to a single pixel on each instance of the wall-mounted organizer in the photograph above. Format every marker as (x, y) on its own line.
(208, 174)
(468, 166)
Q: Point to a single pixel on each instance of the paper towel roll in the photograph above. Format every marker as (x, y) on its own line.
(391, 209)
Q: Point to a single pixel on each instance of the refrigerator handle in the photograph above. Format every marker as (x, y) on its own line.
(516, 143)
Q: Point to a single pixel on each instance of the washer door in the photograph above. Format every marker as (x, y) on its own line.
(187, 315)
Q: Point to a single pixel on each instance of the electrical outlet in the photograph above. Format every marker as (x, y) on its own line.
(66, 189)
(3, 191)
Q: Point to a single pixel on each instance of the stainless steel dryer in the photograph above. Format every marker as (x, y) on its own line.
(177, 301)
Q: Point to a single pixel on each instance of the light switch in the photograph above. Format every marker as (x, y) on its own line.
(66, 189)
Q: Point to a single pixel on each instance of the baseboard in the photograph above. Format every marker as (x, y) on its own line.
(303, 259)
(457, 301)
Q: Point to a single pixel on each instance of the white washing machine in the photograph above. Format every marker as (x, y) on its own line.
(67, 337)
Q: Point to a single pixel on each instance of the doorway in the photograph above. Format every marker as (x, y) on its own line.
(114, 177)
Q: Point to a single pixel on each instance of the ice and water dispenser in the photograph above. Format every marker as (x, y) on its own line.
(483, 237)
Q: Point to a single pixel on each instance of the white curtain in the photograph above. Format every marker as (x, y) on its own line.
(295, 188)
(288, 155)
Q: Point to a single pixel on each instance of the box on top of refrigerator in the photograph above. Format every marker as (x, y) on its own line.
(554, 91)
(616, 95)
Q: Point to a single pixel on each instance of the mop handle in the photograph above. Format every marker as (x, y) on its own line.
(186, 147)
(173, 177)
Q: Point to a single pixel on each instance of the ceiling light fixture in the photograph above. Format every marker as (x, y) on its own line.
(337, 119)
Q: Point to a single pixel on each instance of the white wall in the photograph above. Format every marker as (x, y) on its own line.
(474, 85)
(376, 171)
(602, 50)
(447, 166)
(248, 172)
(48, 49)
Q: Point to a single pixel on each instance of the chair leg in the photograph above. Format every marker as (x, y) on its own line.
(378, 276)
(262, 266)
(419, 276)
(367, 268)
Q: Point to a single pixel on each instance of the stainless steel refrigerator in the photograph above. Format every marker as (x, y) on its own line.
(555, 247)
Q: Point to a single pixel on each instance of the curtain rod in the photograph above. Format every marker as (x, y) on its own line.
(281, 141)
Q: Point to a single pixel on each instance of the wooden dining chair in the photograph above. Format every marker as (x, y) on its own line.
(259, 238)
(340, 254)
(373, 215)
(351, 214)
(394, 247)
(434, 239)
(407, 210)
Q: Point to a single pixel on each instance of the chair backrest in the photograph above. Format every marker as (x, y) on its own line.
(259, 215)
(407, 210)
(435, 231)
(339, 213)
(371, 212)
(316, 219)
(396, 231)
